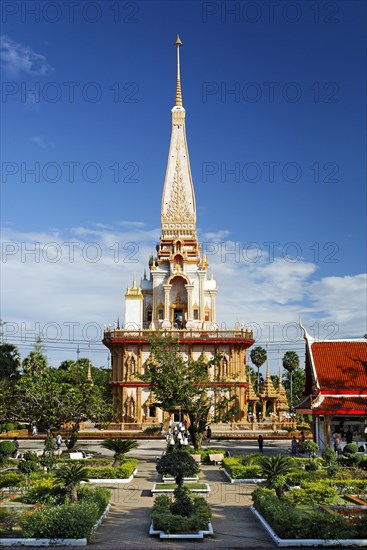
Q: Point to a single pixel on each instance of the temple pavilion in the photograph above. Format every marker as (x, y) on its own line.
(178, 298)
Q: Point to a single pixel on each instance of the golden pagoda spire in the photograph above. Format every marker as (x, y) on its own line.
(178, 102)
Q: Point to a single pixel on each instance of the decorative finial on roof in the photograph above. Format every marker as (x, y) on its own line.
(178, 102)
(134, 281)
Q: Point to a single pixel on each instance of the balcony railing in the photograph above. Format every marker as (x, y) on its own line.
(184, 334)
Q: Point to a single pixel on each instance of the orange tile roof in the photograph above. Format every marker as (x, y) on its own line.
(340, 365)
(344, 405)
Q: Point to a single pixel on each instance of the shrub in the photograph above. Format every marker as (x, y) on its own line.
(311, 493)
(7, 448)
(12, 480)
(350, 449)
(44, 491)
(238, 471)
(312, 466)
(289, 522)
(124, 471)
(97, 495)
(178, 464)
(8, 427)
(152, 430)
(363, 464)
(164, 520)
(182, 505)
(65, 521)
(329, 455)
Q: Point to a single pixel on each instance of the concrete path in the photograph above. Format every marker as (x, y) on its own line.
(128, 522)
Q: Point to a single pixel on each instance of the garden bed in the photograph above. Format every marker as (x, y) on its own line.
(170, 487)
(199, 535)
(305, 542)
(113, 479)
(186, 479)
(244, 480)
(22, 541)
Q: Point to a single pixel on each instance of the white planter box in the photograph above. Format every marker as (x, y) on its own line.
(154, 490)
(117, 480)
(186, 479)
(53, 542)
(198, 535)
(250, 480)
(305, 542)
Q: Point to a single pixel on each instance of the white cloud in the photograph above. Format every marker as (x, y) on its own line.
(84, 282)
(39, 140)
(18, 59)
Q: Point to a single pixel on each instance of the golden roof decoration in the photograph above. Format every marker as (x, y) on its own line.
(268, 391)
(178, 211)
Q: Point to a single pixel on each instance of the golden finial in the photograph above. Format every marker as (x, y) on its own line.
(134, 281)
(178, 102)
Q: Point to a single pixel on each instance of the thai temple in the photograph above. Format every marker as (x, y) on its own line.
(179, 298)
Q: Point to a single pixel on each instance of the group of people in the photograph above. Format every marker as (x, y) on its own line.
(179, 432)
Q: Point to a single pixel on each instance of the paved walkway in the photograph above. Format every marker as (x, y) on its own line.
(127, 524)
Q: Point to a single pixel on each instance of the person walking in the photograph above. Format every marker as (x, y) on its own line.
(58, 441)
(16, 451)
(208, 434)
(260, 441)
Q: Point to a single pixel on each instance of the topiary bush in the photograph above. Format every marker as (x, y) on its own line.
(12, 480)
(7, 448)
(65, 521)
(350, 449)
(164, 520)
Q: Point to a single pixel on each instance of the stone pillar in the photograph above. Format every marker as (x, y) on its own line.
(138, 413)
(189, 289)
(166, 323)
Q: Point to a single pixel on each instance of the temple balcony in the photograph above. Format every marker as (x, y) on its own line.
(114, 335)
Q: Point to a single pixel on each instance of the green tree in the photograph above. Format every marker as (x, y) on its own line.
(258, 357)
(70, 476)
(9, 361)
(275, 468)
(186, 386)
(291, 363)
(298, 384)
(120, 447)
(48, 400)
(177, 463)
(34, 363)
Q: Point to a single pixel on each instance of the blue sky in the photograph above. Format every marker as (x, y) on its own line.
(275, 102)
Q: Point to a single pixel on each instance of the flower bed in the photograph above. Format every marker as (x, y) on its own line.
(295, 524)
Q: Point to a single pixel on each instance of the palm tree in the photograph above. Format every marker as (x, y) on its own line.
(291, 363)
(275, 468)
(9, 361)
(258, 357)
(71, 475)
(120, 448)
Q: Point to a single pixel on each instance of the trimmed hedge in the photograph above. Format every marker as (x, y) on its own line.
(66, 521)
(164, 520)
(124, 471)
(12, 480)
(237, 471)
(290, 522)
(7, 448)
